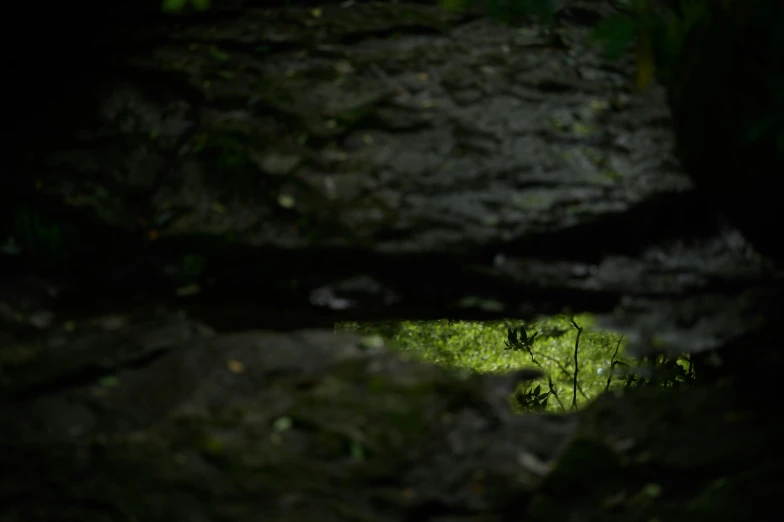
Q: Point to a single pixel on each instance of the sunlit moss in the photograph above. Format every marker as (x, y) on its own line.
(480, 347)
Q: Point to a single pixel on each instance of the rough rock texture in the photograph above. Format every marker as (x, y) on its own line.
(286, 167)
(298, 426)
(253, 169)
(188, 424)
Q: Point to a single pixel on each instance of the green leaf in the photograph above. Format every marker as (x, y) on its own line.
(537, 389)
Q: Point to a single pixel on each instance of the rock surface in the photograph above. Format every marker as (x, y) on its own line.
(250, 170)
(290, 167)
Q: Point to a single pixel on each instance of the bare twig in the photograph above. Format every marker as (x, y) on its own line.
(563, 369)
(550, 383)
(576, 364)
(613, 362)
(554, 393)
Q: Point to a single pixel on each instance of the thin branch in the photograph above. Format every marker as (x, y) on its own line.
(576, 364)
(555, 393)
(549, 378)
(563, 369)
(613, 362)
(555, 361)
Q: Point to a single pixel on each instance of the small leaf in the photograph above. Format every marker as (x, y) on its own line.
(537, 389)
